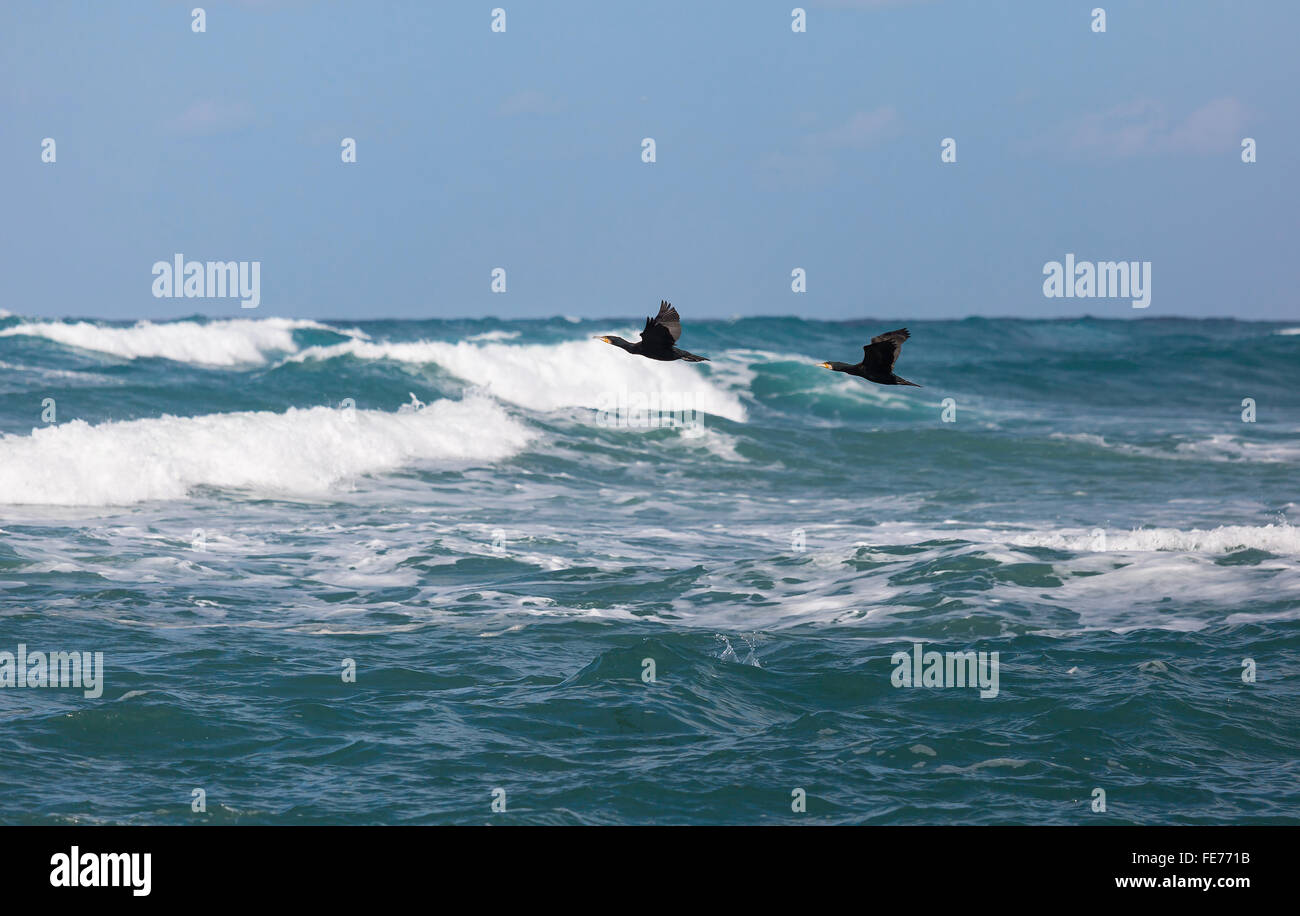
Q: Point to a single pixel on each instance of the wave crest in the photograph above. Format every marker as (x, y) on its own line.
(548, 376)
(301, 452)
(1277, 539)
(231, 342)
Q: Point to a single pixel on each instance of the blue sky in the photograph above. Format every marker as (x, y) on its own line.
(775, 150)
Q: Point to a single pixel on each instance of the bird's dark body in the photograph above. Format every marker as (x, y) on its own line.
(659, 339)
(878, 358)
(674, 353)
(878, 378)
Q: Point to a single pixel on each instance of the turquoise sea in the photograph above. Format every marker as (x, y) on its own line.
(559, 608)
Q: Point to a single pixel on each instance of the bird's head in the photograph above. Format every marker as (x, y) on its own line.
(612, 339)
(825, 365)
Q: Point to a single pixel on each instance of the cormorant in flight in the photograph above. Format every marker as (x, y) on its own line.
(878, 358)
(659, 339)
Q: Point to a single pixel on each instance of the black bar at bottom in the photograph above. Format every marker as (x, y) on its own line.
(303, 865)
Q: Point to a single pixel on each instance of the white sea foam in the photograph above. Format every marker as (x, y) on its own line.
(1170, 579)
(1161, 590)
(297, 453)
(19, 377)
(1228, 448)
(1219, 448)
(736, 367)
(576, 373)
(237, 341)
(1164, 578)
(1281, 538)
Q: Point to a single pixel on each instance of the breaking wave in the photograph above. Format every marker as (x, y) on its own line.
(233, 342)
(583, 373)
(301, 452)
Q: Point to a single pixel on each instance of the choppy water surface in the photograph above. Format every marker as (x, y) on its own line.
(500, 561)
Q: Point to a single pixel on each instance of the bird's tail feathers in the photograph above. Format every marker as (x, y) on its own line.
(899, 380)
(690, 357)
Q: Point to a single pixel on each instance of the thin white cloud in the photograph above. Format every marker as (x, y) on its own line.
(812, 161)
(207, 117)
(1143, 127)
(863, 130)
(1216, 125)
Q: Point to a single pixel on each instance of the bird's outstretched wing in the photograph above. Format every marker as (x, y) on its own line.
(881, 354)
(662, 331)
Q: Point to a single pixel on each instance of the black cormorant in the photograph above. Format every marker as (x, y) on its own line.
(878, 359)
(658, 340)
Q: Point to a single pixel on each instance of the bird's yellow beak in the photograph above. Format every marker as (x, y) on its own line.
(824, 365)
(606, 339)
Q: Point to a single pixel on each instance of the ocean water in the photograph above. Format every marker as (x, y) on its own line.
(552, 606)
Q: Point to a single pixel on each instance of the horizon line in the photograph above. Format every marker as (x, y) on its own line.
(575, 319)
